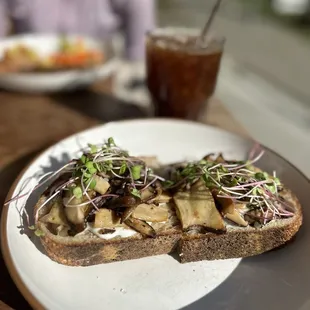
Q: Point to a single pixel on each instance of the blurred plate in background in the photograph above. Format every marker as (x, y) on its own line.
(54, 81)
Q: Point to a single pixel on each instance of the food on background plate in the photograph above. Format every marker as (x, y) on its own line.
(109, 206)
(19, 58)
(71, 54)
(74, 55)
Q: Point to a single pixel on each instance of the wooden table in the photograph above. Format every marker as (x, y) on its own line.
(30, 123)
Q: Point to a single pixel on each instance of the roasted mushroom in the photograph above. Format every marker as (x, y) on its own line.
(150, 161)
(141, 226)
(56, 215)
(197, 209)
(230, 209)
(102, 185)
(151, 212)
(106, 218)
(148, 194)
(76, 214)
(62, 230)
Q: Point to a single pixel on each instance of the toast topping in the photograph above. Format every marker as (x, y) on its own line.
(110, 193)
(243, 193)
(105, 190)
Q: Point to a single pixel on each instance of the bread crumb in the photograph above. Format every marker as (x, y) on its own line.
(123, 291)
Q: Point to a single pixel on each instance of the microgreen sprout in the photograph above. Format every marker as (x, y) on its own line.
(136, 172)
(136, 193)
(39, 233)
(123, 168)
(77, 192)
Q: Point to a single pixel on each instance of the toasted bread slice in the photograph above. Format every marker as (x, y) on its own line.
(88, 249)
(93, 250)
(239, 242)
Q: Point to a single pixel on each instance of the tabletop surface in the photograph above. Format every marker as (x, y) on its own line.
(31, 123)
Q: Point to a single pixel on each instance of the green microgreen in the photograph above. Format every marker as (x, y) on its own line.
(93, 148)
(123, 168)
(39, 233)
(135, 192)
(77, 192)
(136, 172)
(91, 183)
(86, 174)
(111, 142)
(90, 167)
(98, 167)
(168, 183)
(83, 159)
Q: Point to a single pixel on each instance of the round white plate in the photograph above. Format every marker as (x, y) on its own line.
(53, 81)
(275, 280)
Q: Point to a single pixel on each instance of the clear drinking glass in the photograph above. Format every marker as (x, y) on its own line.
(181, 72)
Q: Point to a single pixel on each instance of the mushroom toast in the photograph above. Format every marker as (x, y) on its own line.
(109, 206)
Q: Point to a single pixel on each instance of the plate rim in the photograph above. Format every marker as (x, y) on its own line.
(6, 254)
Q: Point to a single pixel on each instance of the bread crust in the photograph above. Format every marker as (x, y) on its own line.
(107, 251)
(237, 242)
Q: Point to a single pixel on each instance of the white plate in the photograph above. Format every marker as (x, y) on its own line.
(276, 280)
(53, 81)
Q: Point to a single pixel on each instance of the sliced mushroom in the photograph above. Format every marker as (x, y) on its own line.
(141, 226)
(106, 218)
(151, 213)
(209, 157)
(102, 185)
(197, 208)
(124, 205)
(123, 202)
(62, 230)
(237, 218)
(76, 214)
(148, 193)
(219, 159)
(127, 213)
(150, 161)
(230, 209)
(155, 195)
(56, 215)
(199, 186)
(164, 197)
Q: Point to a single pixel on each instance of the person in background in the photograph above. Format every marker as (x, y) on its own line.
(100, 19)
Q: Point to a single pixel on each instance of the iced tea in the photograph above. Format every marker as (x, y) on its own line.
(181, 74)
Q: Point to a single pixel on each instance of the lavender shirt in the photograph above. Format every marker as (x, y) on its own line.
(96, 18)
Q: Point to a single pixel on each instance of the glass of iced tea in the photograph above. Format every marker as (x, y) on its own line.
(181, 71)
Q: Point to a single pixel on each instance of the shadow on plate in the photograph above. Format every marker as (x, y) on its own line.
(8, 291)
(54, 165)
(100, 106)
